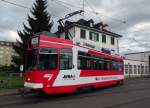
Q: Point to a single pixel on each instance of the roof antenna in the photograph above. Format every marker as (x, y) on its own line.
(83, 7)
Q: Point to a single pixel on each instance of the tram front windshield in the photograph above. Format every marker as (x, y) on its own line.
(48, 58)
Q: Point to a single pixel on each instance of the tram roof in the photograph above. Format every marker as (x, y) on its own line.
(60, 40)
(46, 33)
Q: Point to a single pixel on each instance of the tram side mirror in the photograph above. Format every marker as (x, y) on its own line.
(21, 68)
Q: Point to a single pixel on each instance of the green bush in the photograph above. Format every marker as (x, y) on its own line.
(11, 82)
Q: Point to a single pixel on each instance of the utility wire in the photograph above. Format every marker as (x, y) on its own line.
(68, 4)
(56, 1)
(91, 11)
(138, 31)
(24, 7)
(97, 13)
(15, 4)
(64, 5)
(145, 45)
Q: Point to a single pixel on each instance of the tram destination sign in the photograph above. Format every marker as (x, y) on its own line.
(34, 42)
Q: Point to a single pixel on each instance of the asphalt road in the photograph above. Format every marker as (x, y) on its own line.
(135, 93)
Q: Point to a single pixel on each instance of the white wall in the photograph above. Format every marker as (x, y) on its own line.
(75, 31)
(98, 43)
(135, 71)
(139, 58)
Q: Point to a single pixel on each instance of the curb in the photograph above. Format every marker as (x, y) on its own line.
(20, 91)
(8, 94)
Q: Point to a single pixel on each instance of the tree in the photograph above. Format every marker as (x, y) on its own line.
(38, 22)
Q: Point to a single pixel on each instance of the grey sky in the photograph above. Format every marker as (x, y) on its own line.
(136, 13)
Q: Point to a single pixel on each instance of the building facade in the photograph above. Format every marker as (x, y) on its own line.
(86, 32)
(6, 53)
(137, 64)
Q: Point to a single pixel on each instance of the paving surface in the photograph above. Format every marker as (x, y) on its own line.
(135, 93)
(5, 92)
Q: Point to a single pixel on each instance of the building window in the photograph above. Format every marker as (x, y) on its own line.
(126, 69)
(135, 69)
(104, 38)
(94, 36)
(83, 34)
(112, 40)
(130, 69)
(139, 70)
(97, 36)
(91, 35)
(142, 69)
(146, 70)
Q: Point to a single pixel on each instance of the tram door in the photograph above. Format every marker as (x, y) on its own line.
(66, 61)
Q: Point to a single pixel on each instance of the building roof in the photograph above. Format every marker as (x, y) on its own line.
(135, 60)
(87, 24)
(138, 52)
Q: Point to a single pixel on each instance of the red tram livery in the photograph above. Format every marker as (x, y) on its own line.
(57, 65)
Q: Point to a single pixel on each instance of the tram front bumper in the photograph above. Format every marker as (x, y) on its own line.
(33, 85)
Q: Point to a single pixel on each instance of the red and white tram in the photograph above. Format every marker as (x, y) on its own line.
(57, 65)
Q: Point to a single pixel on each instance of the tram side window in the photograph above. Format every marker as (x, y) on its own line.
(96, 64)
(48, 58)
(83, 61)
(31, 60)
(106, 65)
(92, 62)
(66, 59)
(117, 66)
